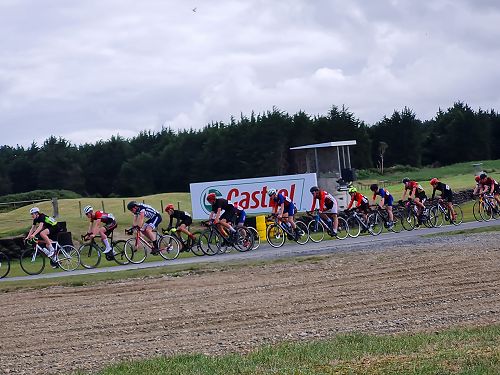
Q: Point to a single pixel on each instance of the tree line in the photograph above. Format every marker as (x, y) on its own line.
(253, 146)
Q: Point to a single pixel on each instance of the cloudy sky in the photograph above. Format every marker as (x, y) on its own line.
(88, 69)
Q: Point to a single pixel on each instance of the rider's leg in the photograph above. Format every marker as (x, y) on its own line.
(44, 235)
(182, 228)
(104, 238)
(389, 213)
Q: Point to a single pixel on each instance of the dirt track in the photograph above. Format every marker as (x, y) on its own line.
(430, 286)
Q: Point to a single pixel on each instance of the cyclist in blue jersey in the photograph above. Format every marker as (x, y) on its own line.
(141, 212)
(283, 208)
(240, 215)
(385, 202)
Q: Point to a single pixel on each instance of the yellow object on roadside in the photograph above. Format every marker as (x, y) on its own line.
(260, 223)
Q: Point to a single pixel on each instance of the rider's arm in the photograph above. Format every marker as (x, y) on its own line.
(281, 209)
(350, 203)
(433, 193)
(314, 204)
(37, 230)
(93, 227)
(31, 231)
(172, 219)
(217, 215)
(322, 201)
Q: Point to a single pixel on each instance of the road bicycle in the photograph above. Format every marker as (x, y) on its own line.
(440, 214)
(253, 231)
(410, 218)
(215, 240)
(91, 252)
(356, 224)
(138, 247)
(186, 242)
(278, 230)
(4, 265)
(32, 260)
(380, 219)
(317, 227)
(486, 208)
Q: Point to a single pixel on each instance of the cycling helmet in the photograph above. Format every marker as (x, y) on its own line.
(211, 197)
(477, 178)
(271, 192)
(87, 209)
(131, 205)
(482, 176)
(373, 187)
(313, 189)
(235, 205)
(34, 210)
(405, 180)
(434, 181)
(170, 206)
(352, 190)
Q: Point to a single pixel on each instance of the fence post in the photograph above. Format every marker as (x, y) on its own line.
(124, 205)
(55, 207)
(178, 205)
(80, 207)
(102, 204)
(161, 204)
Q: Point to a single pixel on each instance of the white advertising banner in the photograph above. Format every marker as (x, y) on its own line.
(251, 193)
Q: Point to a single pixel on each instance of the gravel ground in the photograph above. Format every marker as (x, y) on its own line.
(413, 285)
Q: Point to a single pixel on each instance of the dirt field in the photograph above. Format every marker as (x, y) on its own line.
(438, 283)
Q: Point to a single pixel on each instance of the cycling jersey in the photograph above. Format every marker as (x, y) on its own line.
(488, 181)
(385, 195)
(240, 217)
(288, 206)
(414, 185)
(105, 217)
(445, 190)
(182, 217)
(225, 205)
(149, 212)
(326, 201)
(48, 222)
(360, 199)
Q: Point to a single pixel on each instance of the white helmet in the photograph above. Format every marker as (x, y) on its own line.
(271, 192)
(87, 209)
(34, 210)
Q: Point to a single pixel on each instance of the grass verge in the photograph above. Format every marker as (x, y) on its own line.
(456, 351)
(495, 228)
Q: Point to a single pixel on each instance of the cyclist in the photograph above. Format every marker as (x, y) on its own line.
(240, 215)
(219, 217)
(141, 212)
(490, 186)
(417, 194)
(328, 207)
(44, 226)
(183, 220)
(283, 208)
(386, 200)
(362, 203)
(446, 195)
(97, 218)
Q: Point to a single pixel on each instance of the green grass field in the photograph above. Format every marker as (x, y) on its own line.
(457, 351)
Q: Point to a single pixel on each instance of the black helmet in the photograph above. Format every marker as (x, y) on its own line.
(373, 187)
(405, 180)
(131, 205)
(482, 175)
(313, 189)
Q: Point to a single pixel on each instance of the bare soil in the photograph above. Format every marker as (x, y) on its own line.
(428, 286)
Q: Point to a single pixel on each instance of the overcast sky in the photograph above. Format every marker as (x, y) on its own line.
(88, 69)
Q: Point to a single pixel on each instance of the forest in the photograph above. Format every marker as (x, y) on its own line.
(252, 146)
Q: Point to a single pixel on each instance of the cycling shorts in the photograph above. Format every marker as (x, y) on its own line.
(421, 195)
(331, 208)
(388, 201)
(242, 218)
(364, 207)
(110, 227)
(228, 214)
(187, 222)
(153, 222)
(447, 196)
(291, 210)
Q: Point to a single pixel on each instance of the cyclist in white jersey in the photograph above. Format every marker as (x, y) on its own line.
(143, 211)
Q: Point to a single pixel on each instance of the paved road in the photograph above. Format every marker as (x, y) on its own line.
(289, 250)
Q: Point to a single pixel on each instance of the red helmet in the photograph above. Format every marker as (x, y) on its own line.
(211, 197)
(235, 204)
(477, 178)
(170, 206)
(434, 181)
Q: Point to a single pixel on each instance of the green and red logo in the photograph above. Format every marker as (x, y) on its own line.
(207, 207)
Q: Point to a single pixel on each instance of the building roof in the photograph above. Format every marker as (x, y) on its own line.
(326, 144)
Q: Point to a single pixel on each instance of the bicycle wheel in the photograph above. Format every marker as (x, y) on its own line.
(354, 227)
(169, 247)
(375, 224)
(316, 230)
(409, 220)
(244, 239)
(436, 217)
(68, 258)
(210, 242)
(496, 209)
(459, 215)
(4, 265)
(342, 229)
(32, 261)
(486, 211)
(119, 252)
(303, 236)
(90, 255)
(135, 253)
(397, 224)
(193, 245)
(256, 237)
(476, 209)
(275, 235)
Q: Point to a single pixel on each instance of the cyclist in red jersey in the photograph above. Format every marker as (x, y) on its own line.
(490, 186)
(97, 218)
(417, 193)
(362, 202)
(328, 207)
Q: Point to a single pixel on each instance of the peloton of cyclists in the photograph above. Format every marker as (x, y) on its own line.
(283, 208)
(386, 200)
(144, 211)
(446, 195)
(328, 207)
(97, 218)
(417, 194)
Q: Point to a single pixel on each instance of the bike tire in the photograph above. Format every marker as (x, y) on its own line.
(32, 262)
(210, 242)
(486, 211)
(303, 236)
(436, 217)
(68, 258)
(354, 227)
(409, 220)
(135, 254)
(193, 246)
(397, 224)
(316, 231)
(342, 229)
(476, 208)
(119, 252)
(275, 235)
(256, 238)
(459, 215)
(90, 255)
(244, 241)
(169, 246)
(4, 265)
(375, 224)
